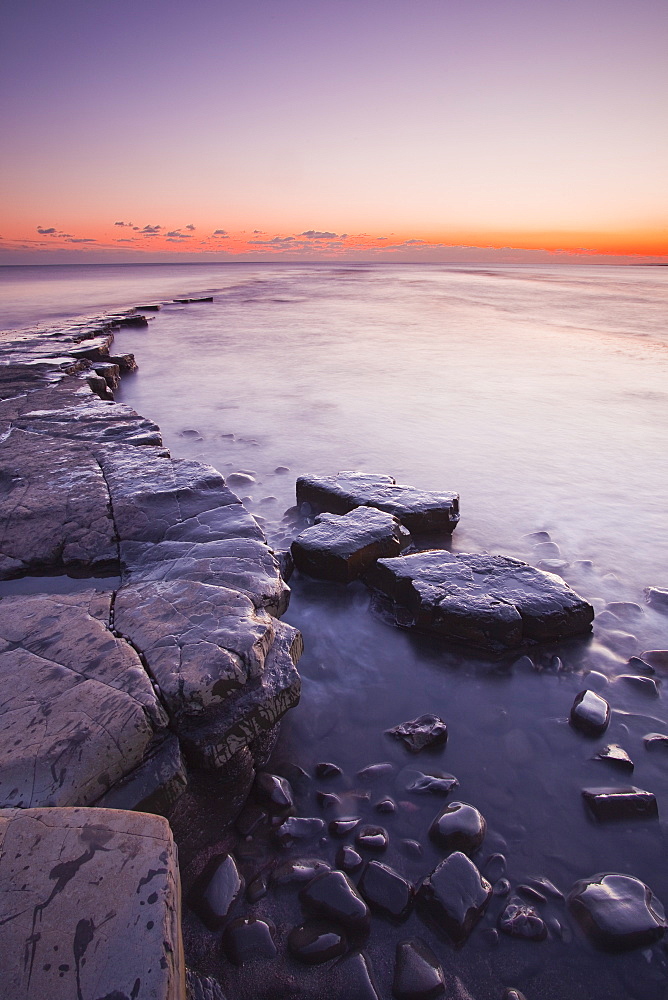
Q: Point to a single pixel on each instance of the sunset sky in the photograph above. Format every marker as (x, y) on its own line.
(361, 129)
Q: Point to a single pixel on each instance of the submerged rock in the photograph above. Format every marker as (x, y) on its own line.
(590, 713)
(386, 891)
(657, 658)
(342, 547)
(615, 755)
(493, 602)
(617, 912)
(657, 598)
(332, 896)
(372, 838)
(520, 920)
(418, 734)
(296, 828)
(417, 972)
(419, 511)
(316, 941)
(455, 896)
(459, 827)
(431, 784)
(620, 803)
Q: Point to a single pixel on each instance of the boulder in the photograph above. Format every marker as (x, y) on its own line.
(617, 756)
(493, 602)
(455, 896)
(419, 511)
(427, 731)
(332, 896)
(417, 972)
(458, 827)
(657, 598)
(78, 709)
(386, 891)
(217, 891)
(590, 713)
(343, 547)
(617, 912)
(96, 912)
(522, 921)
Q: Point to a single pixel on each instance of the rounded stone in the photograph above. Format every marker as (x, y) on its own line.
(347, 859)
(298, 871)
(618, 912)
(217, 891)
(458, 827)
(249, 940)
(332, 896)
(523, 921)
(372, 838)
(417, 972)
(590, 713)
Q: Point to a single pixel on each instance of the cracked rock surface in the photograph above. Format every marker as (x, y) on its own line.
(489, 601)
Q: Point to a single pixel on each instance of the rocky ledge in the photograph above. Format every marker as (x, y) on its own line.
(112, 696)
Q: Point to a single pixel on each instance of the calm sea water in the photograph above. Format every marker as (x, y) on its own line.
(540, 395)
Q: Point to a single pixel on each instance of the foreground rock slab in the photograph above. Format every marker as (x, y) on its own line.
(421, 512)
(343, 547)
(617, 912)
(493, 602)
(95, 913)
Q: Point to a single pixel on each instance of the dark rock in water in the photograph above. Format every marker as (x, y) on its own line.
(620, 803)
(315, 942)
(185, 302)
(200, 987)
(520, 920)
(347, 859)
(372, 838)
(342, 547)
(617, 912)
(642, 666)
(656, 741)
(455, 896)
(299, 828)
(645, 685)
(493, 602)
(536, 537)
(530, 892)
(495, 867)
(418, 511)
(343, 826)
(155, 785)
(332, 896)
(512, 994)
(590, 713)
(426, 731)
(327, 770)
(616, 756)
(216, 891)
(657, 598)
(430, 784)
(273, 791)
(351, 979)
(547, 888)
(459, 827)
(248, 939)
(258, 887)
(626, 610)
(327, 800)
(374, 771)
(501, 887)
(411, 848)
(155, 307)
(657, 658)
(297, 871)
(417, 972)
(386, 806)
(386, 891)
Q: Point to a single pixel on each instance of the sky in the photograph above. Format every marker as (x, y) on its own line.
(150, 130)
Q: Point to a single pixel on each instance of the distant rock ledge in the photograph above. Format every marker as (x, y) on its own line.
(111, 696)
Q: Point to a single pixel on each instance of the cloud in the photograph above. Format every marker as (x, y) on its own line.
(176, 234)
(129, 224)
(191, 227)
(47, 232)
(313, 234)
(273, 242)
(221, 232)
(147, 230)
(125, 240)
(89, 240)
(408, 243)
(259, 232)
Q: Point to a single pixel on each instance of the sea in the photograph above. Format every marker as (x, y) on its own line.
(540, 395)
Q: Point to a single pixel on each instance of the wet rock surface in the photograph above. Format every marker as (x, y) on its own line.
(427, 731)
(459, 827)
(342, 547)
(386, 891)
(248, 939)
(455, 896)
(617, 912)
(417, 974)
(522, 921)
(96, 909)
(493, 602)
(333, 896)
(219, 889)
(316, 941)
(616, 756)
(590, 713)
(609, 804)
(420, 512)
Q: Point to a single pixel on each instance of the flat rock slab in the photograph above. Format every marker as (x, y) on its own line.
(77, 708)
(341, 547)
(243, 564)
(419, 511)
(493, 602)
(90, 902)
(93, 420)
(54, 508)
